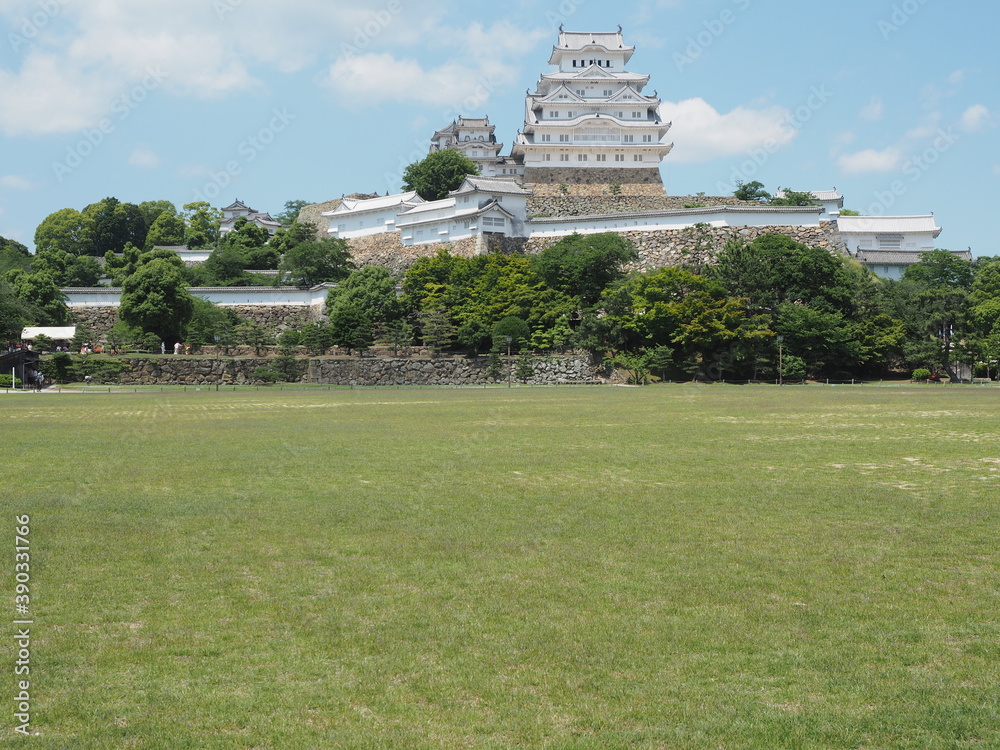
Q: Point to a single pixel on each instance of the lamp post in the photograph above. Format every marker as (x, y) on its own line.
(509, 339)
(781, 361)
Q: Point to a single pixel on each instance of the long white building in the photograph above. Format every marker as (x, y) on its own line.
(591, 112)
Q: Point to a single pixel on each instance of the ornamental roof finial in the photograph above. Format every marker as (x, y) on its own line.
(619, 28)
(561, 28)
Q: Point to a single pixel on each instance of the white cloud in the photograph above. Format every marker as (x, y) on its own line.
(872, 160)
(144, 157)
(975, 119)
(957, 78)
(16, 182)
(874, 111)
(68, 81)
(702, 133)
(464, 83)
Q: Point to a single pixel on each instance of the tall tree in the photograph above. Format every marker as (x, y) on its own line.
(316, 261)
(65, 230)
(155, 299)
(438, 174)
(202, 224)
(584, 266)
(112, 225)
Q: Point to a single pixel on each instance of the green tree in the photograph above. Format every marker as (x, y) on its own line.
(65, 230)
(351, 328)
(316, 338)
(517, 329)
(751, 191)
(13, 256)
(253, 334)
(436, 330)
(152, 210)
(167, 230)
(41, 301)
(473, 335)
(398, 335)
(155, 299)
(438, 174)
(290, 215)
(583, 266)
(311, 263)
(371, 288)
(635, 365)
(202, 222)
(794, 198)
(111, 225)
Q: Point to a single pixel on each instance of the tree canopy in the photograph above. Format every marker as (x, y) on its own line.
(438, 174)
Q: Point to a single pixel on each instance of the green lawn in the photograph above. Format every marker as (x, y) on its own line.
(668, 567)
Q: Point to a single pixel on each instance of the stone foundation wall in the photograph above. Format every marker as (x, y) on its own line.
(637, 181)
(194, 371)
(366, 371)
(389, 251)
(275, 318)
(701, 245)
(599, 204)
(280, 318)
(447, 371)
(99, 320)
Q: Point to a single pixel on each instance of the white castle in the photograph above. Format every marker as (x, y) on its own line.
(591, 131)
(591, 113)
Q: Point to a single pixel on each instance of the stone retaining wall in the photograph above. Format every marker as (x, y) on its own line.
(389, 251)
(359, 371)
(278, 318)
(701, 245)
(630, 181)
(99, 320)
(603, 203)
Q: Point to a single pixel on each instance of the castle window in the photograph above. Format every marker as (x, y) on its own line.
(547, 157)
(619, 157)
(546, 137)
(647, 139)
(554, 113)
(563, 157)
(637, 157)
(602, 157)
(628, 139)
(581, 157)
(564, 138)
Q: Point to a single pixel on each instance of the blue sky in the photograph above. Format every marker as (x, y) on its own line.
(894, 102)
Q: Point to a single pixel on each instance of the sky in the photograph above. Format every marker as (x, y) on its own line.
(896, 103)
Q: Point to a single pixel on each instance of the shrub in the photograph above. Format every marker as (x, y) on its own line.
(265, 375)
(5, 382)
(101, 370)
(525, 370)
(512, 326)
(921, 375)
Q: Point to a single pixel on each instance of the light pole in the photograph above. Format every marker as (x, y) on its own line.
(509, 339)
(781, 361)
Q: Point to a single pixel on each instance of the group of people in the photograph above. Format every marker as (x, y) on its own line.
(35, 379)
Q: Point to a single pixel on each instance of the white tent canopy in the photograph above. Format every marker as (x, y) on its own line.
(61, 333)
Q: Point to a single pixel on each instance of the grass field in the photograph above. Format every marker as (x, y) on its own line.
(668, 567)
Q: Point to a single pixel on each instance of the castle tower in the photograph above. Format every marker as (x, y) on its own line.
(589, 121)
(475, 139)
